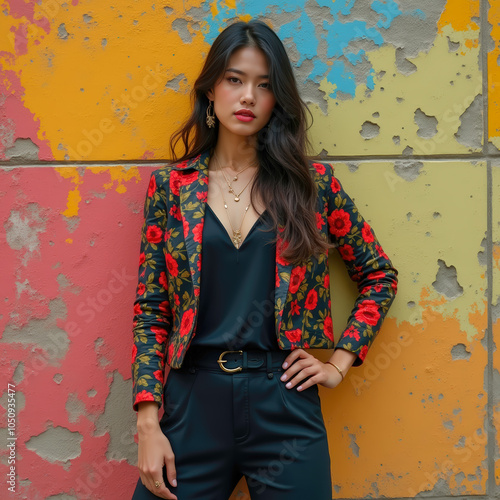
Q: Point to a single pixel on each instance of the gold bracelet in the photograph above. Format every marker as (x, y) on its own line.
(339, 370)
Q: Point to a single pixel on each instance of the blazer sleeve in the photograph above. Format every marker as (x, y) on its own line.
(368, 266)
(152, 314)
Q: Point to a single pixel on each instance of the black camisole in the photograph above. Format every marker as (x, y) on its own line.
(236, 288)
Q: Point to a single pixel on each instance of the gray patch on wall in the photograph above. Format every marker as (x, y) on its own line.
(446, 281)
(43, 332)
(470, 131)
(427, 124)
(407, 169)
(459, 351)
(369, 130)
(56, 444)
(119, 421)
(23, 149)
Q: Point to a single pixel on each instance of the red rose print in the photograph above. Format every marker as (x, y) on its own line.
(179, 352)
(187, 322)
(134, 352)
(296, 277)
(294, 335)
(335, 185)
(152, 186)
(154, 234)
(142, 258)
(320, 168)
(163, 280)
(172, 265)
(376, 275)
(311, 300)
(158, 374)
(141, 288)
(187, 179)
(185, 226)
(306, 345)
(352, 332)
(326, 282)
(347, 252)
(175, 182)
(160, 334)
(202, 196)
(362, 352)
(378, 287)
(340, 223)
(197, 292)
(367, 234)
(197, 232)
(381, 252)
(137, 309)
(171, 348)
(144, 396)
(281, 247)
(394, 286)
(368, 312)
(328, 328)
(175, 212)
(294, 307)
(320, 222)
(164, 306)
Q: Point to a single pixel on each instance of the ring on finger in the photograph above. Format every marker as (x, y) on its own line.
(158, 483)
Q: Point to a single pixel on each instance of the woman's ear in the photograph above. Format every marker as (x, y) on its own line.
(210, 95)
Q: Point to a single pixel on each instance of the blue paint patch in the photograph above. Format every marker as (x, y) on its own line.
(388, 8)
(306, 36)
(343, 79)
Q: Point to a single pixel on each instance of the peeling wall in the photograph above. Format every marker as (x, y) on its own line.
(405, 100)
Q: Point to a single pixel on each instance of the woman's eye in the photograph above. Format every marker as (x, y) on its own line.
(266, 85)
(233, 79)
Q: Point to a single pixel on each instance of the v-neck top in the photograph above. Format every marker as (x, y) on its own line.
(237, 287)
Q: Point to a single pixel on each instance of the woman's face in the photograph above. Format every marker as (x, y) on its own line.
(243, 100)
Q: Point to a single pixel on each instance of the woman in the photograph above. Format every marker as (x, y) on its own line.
(234, 289)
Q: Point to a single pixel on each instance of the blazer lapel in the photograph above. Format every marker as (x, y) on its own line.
(193, 190)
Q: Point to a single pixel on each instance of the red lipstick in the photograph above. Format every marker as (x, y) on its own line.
(244, 115)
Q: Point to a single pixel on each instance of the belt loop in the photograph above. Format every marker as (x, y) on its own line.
(269, 365)
(245, 360)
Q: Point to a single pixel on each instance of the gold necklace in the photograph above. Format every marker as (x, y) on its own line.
(231, 190)
(236, 238)
(235, 178)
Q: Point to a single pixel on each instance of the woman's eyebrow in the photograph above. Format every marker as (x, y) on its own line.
(239, 72)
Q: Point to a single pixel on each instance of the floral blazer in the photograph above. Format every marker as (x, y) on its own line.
(168, 290)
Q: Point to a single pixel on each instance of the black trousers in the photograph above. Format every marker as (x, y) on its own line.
(223, 426)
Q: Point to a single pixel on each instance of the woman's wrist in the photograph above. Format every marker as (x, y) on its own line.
(147, 416)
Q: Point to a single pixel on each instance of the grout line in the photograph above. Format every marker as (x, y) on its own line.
(491, 431)
(350, 159)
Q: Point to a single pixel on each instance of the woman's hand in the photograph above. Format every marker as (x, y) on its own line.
(154, 451)
(301, 365)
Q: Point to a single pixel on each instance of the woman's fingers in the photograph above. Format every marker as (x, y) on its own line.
(170, 463)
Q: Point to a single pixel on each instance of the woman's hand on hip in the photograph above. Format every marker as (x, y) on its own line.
(154, 451)
(301, 365)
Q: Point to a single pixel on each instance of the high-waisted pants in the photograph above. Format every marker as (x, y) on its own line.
(223, 426)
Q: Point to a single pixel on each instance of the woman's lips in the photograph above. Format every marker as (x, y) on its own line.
(245, 115)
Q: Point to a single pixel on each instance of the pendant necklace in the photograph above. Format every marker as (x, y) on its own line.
(236, 238)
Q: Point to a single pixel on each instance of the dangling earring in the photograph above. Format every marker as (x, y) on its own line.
(210, 116)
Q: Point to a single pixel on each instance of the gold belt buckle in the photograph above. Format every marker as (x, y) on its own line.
(221, 361)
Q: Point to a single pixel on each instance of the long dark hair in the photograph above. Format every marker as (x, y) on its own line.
(283, 181)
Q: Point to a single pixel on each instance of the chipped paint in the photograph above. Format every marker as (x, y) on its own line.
(385, 80)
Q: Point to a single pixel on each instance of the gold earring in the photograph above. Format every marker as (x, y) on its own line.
(210, 116)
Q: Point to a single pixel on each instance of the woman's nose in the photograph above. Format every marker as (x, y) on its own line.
(248, 96)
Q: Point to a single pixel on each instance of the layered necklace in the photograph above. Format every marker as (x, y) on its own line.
(236, 238)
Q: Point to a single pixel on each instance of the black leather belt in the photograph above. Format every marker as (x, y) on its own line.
(235, 361)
